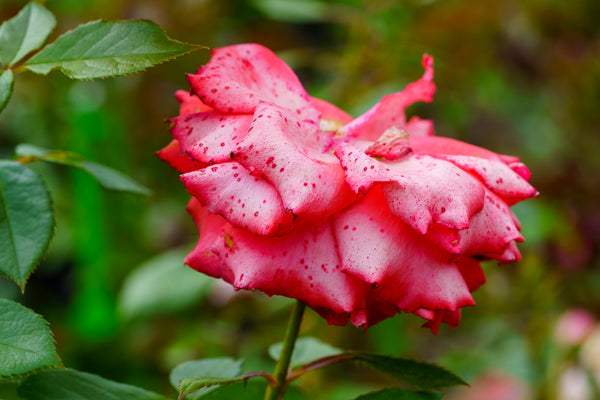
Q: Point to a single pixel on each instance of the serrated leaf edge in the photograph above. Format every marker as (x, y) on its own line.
(194, 47)
(44, 253)
(36, 370)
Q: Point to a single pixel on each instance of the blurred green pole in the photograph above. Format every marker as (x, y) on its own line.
(93, 310)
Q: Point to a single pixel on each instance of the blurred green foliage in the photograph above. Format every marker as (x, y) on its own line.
(518, 77)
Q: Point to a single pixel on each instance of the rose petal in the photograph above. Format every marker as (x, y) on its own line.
(292, 155)
(210, 228)
(497, 176)
(409, 272)
(178, 160)
(209, 136)
(393, 144)
(390, 110)
(452, 318)
(237, 78)
(189, 103)
(419, 189)
(331, 112)
(489, 234)
(434, 145)
(419, 127)
(246, 201)
(303, 265)
(491, 231)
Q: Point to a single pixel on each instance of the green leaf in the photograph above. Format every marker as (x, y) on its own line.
(298, 11)
(306, 349)
(223, 367)
(99, 49)
(7, 82)
(249, 391)
(162, 285)
(188, 386)
(422, 375)
(74, 385)
(400, 394)
(107, 177)
(25, 32)
(26, 221)
(26, 342)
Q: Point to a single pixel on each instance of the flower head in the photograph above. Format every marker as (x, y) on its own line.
(361, 218)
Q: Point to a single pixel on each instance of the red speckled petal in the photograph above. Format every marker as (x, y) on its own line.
(410, 272)
(238, 78)
(362, 171)
(190, 103)
(497, 176)
(210, 136)
(491, 231)
(389, 111)
(246, 201)
(210, 228)
(292, 155)
(419, 189)
(178, 160)
(302, 265)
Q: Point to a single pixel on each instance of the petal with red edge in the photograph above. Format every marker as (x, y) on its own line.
(491, 231)
(292, 155)
(409, 271)
(419, 189)
(189, 103)
(362, 171)
(245, 201)
(433, 145)
(210, 136)
(178, 160)
(497, 176)
(238, 78)
(210, 229)
(452, 318)
(303, 265)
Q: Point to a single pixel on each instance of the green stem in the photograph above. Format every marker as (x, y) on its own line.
(283, 363)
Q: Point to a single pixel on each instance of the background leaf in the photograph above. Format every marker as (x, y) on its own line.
(216, 367)
(400, 394)
(162, 284)
(416, 373)
(26, 342)
(7, 82)
(26, 220)
(193, 385)
(107, 177)
(25, 32)
(251, 390)
(306, 349)
(99, 49)
(75, 385)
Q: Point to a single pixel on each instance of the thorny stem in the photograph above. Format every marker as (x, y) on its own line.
(275, 392)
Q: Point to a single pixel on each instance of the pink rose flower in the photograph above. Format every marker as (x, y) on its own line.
(361, 218)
